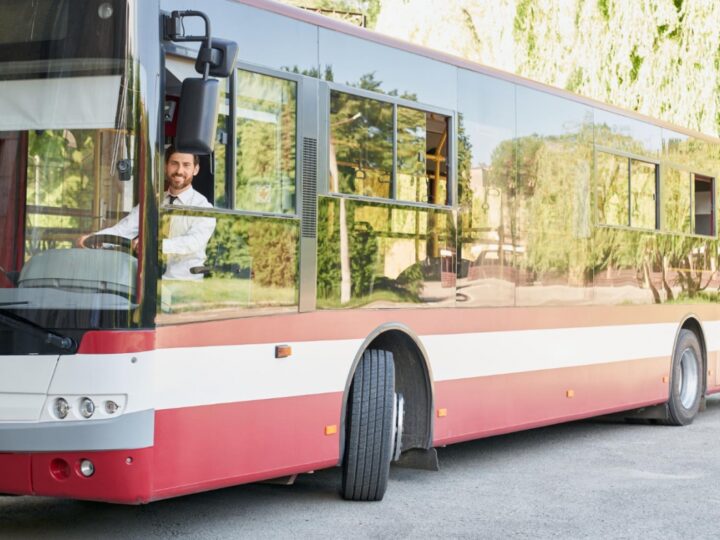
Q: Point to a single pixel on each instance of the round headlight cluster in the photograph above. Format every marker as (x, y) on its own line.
(78, 408)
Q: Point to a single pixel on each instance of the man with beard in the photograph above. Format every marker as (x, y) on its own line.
(187, 236)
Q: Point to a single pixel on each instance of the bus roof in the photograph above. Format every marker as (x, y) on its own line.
(382, 39)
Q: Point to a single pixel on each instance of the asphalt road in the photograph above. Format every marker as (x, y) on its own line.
(579, 480)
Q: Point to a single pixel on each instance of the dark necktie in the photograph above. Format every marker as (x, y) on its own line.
(173, 198)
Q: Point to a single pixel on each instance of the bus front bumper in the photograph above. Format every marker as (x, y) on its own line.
(119, 476)
(54, 458)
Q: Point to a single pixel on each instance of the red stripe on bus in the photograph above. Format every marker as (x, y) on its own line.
(212, 446)
(117, 341)
(485, 406)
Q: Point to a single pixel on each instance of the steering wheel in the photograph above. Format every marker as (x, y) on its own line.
(99, 241)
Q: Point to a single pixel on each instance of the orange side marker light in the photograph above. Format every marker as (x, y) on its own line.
(666, 379)
(283, 351)
(570, 394)
(331, 430)
(442, 413)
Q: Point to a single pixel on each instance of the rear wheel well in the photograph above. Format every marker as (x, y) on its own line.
(412, 380)
(692, 324)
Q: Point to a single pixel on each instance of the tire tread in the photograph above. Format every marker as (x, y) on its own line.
(368, 444)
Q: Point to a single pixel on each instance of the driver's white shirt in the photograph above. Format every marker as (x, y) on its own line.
(187, 236)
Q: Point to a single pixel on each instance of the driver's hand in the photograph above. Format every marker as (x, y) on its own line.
(80, 242)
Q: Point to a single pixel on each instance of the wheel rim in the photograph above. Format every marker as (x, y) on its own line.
(398, 424)
(689, 375)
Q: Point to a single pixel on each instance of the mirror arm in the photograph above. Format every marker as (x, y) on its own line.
(173, 24)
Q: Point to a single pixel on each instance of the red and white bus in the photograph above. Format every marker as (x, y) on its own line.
(409, 250)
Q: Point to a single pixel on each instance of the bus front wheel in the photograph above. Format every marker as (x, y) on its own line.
(686, 380)
(369, 428)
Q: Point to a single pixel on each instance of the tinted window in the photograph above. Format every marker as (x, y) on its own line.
(676, 200)
(488, 246)
(627, 134)
(361, 145)
(613, 189)
(251, 266)
(642, 194)
(356, 62)
(266, 141)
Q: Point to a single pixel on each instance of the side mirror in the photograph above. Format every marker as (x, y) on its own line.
(197, 117)
(221, 56)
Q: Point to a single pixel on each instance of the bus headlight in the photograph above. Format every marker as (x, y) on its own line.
(111, 407)
(87, 407)
(62, 408)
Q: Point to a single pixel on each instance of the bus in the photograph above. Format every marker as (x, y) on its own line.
(405, 250)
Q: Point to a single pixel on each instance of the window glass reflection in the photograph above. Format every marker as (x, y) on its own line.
(251, 268)
(642, 194)
(266, 142)
(361, 145)
(620, 276)
(422, 148)
(356, 62)
(613, 189)
(412, 182)
(627, 134)
(377, 255)
(676, 201)
(489, 247)
(695, 153)
(552, 207)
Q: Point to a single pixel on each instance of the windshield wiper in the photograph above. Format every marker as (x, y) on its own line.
(24, 325)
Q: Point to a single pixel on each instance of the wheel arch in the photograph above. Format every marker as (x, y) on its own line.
(413, 378)
(692, 322)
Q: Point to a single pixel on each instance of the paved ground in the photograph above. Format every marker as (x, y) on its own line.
(580, 480)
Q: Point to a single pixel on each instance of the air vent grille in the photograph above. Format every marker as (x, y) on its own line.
(309, 182)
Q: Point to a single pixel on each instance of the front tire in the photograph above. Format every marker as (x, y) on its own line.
(369, 429)
(686, 380)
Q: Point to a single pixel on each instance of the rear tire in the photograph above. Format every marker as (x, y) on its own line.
(686, 380)
(369, 428)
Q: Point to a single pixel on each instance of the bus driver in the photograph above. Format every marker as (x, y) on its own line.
(188, 236)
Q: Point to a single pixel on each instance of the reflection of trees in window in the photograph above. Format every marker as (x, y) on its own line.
(643, 181)
(73, 186)
(252, 263)
(388, 253)
(361, 132)
(676, 200)
(422, 143)
(411, 149)
(611, 172)
(266, 128)
(626, 192)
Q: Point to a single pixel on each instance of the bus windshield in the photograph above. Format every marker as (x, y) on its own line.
(67, 167)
